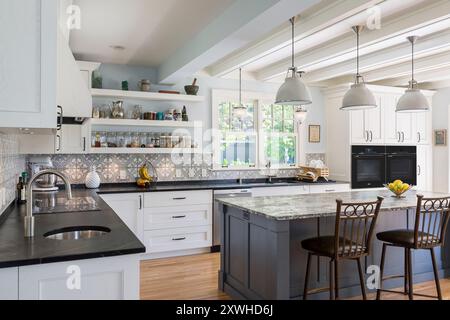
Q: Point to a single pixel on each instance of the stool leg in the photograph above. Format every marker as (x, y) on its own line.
(361, 279)
(308, 266)
(331, 280)
(380, 284)
(410, 276)
(436, 274)
(336, 279)
(406, 273)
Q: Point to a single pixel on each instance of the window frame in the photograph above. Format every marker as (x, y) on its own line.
(259, 99)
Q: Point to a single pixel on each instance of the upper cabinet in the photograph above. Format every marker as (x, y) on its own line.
(383, 125)
(37, 69)
(28, 53)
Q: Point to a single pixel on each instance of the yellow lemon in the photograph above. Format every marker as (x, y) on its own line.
(398, 182)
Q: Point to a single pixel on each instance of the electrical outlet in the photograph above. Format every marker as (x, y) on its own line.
(178, 173)
(123, 174)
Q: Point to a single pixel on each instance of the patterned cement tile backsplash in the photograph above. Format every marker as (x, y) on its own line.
(189, 167)
(11, 166)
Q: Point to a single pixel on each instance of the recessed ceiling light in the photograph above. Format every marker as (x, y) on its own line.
(116, 47)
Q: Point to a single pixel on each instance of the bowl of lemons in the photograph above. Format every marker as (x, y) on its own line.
(398, 188)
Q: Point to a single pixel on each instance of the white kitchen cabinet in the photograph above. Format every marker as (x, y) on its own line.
(329, 188)
(406, 128)
(28, 51)
(373, 122)
(9, 283)
(177, 217)
(111, 278)
(423, 122)
(280, 191)
(129, 208)
(358, 129)
(424, 167)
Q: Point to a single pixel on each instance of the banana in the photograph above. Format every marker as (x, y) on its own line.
(143, 173)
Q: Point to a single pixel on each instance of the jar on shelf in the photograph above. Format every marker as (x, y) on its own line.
(135, 140)
(169, 141)
(95, 112)
(175, 142)
(105, 111)
(121, 143)
(157, 140)
(103, 141)
(95, 139)
(187, 141)
(163, 141)
(111, 139)
(150, 142)
(127, 138)
(143, 139)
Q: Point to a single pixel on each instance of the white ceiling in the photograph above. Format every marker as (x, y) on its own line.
(150, 30)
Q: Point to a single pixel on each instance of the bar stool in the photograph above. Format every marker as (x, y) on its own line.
(430, 225)
(354, 227)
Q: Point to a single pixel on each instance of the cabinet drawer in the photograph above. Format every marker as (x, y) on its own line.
(177, 217)
(177, 198)
(177, 239)
(280, 191)
(329, 188)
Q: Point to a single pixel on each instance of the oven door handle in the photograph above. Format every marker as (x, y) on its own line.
(419, 170)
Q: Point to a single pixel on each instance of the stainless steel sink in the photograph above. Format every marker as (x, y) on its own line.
(77, 233)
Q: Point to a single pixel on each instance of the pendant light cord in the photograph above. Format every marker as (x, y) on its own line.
(293, 43)
(357, 52)
(240, 87)
(412, 61)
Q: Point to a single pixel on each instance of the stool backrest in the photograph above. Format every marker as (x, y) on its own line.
(431, 221)
(355, 223)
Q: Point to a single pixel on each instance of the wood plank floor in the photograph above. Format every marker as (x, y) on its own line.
(195, 278)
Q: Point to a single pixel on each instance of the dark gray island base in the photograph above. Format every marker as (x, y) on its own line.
(261, 256)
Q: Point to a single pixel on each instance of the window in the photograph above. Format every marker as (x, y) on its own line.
(266, 133)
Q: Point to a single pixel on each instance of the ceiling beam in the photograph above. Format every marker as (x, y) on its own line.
(439, 74)
(428, 45)
(330, 53)
(337, 11)
(244, 21)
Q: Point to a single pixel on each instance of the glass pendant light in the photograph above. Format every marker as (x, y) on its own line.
(293, 91)
(300, 114)
(359, 96)
(412, 100)
(240, 110)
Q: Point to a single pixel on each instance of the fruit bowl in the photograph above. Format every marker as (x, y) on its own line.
(398, 188)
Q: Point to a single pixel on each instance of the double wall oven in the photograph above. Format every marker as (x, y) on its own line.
(373, 166)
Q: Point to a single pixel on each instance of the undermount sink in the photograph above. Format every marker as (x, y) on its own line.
(77, 233)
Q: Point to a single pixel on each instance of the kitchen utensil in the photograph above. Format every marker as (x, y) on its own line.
(192, 89)
(46, 182)
(144, 85)
(117, 111)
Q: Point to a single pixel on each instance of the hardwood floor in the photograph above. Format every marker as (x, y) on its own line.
(195, 278)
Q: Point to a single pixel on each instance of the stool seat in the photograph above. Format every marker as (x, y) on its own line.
(326, 246)
(405, 237)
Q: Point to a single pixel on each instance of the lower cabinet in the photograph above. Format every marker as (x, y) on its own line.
(9, 284)
(424, 167)
(110, 278)
(280, 191)
(329, 188)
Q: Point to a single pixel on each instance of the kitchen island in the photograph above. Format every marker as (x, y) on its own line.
(261, 255)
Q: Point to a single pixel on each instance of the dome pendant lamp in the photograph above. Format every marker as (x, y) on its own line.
(359, 96)
(240, 110)
(293, 91)
(412, 100)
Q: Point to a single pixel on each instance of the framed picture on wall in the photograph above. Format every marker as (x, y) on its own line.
(314, 133)
(440, 137)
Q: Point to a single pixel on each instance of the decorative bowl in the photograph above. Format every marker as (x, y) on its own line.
(397, 194)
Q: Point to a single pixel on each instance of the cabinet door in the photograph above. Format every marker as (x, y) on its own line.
(71, 139)
(424, 168)
(129, 208)
(9, 284)
(391, 134)
(406, 127)
(423, 121)
(28, 63)
(373, 120)
(358, 129)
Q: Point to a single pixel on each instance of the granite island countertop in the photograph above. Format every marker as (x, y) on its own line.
(16, 250)
(320, 205)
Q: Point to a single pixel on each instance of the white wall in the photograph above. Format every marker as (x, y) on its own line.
(441, 103)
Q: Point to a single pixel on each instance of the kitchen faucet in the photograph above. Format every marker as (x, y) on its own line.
(29, 218)
(269, 175)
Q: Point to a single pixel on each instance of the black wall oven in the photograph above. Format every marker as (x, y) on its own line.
(368, 166)
(373, 166)
(401, 163)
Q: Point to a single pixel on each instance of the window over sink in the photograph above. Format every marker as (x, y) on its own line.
(266, 133)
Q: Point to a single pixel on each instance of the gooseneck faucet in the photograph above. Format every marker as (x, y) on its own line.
(29, 218)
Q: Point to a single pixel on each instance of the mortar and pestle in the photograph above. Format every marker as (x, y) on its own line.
(191, 89)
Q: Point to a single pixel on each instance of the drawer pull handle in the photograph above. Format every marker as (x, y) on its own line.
(178, 217)
(178, 239)
(330, 190)
(181, 198)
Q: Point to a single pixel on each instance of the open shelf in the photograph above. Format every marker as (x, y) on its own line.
(141, 95)
(147, 150)
(145, 123)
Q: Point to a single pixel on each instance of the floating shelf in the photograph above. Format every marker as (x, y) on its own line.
(144, 123)
(147, 150)
(149, 96)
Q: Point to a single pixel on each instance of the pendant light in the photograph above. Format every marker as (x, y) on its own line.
(359, 96)
(300, 114)
(412, 100)
(240, 110)
(293, 91)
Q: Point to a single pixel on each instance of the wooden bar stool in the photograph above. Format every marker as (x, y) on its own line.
(354, 227)
(430, 225)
